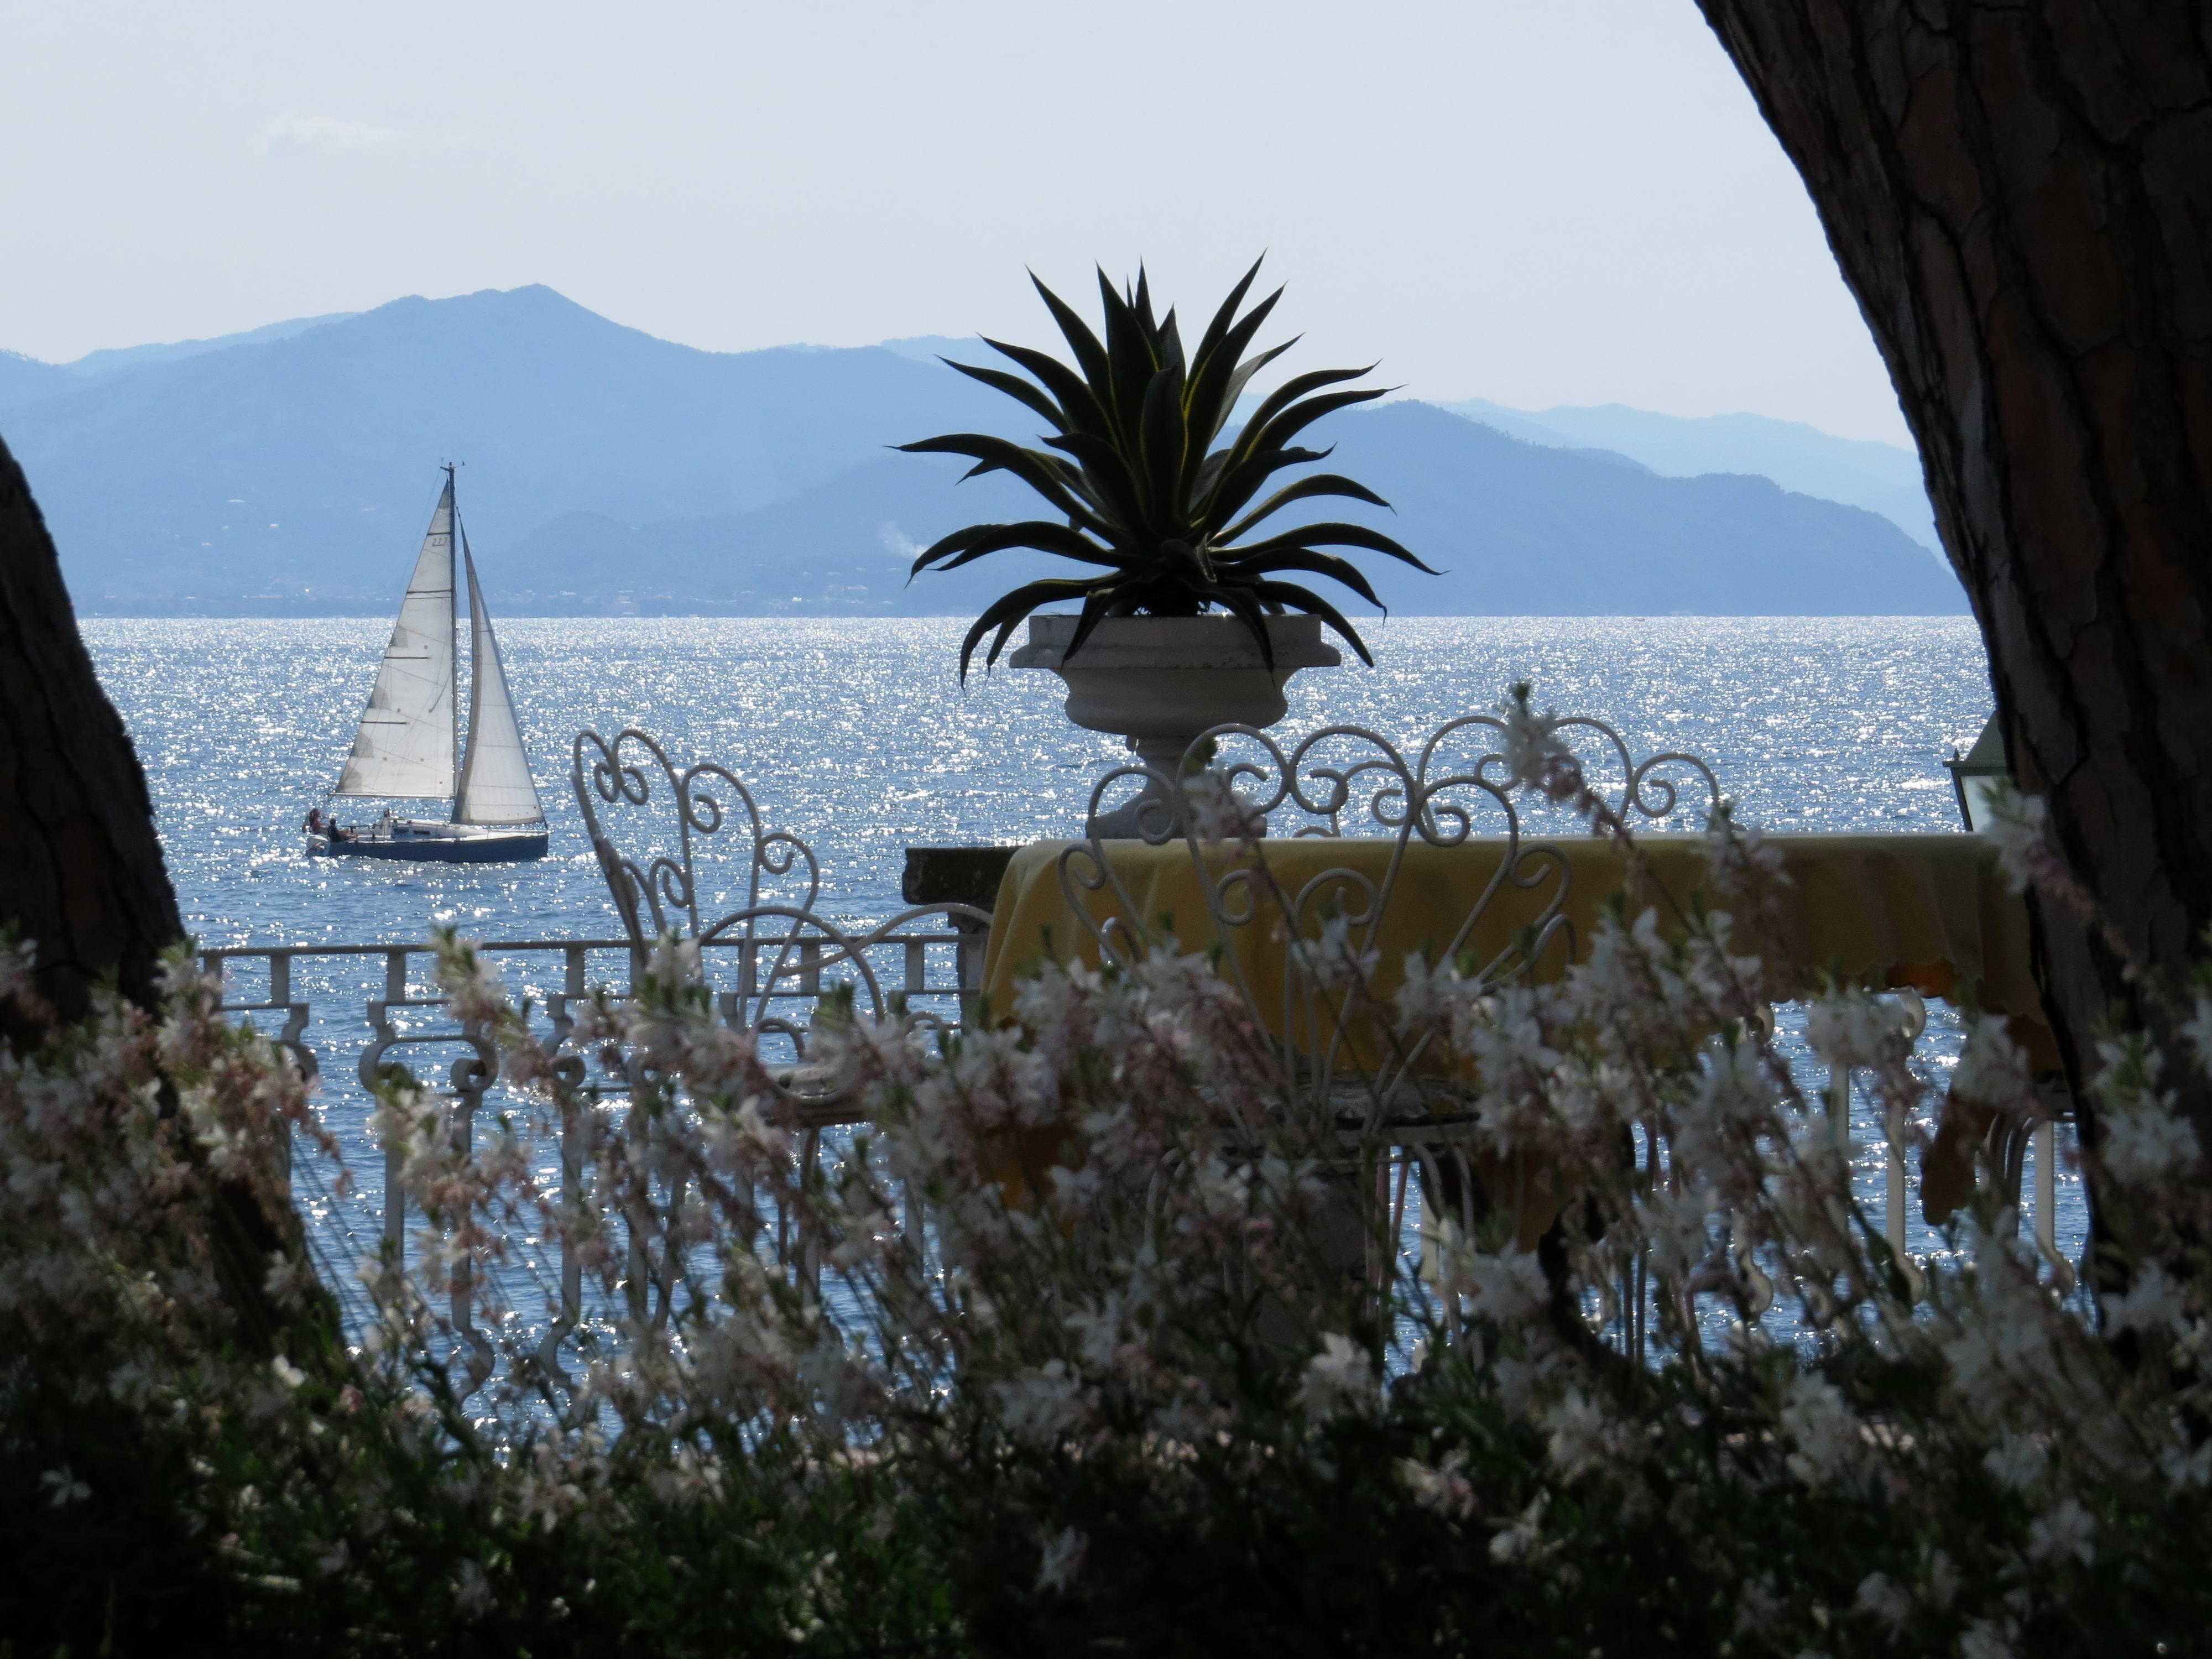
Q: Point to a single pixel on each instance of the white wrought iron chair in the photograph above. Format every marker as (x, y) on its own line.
(664, 835)
(1349, 782)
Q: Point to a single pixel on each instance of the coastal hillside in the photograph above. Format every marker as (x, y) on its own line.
(1517, 529)
(1884, 478)
(606, 471)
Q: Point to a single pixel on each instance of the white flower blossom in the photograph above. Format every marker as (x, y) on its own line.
(1534, 756)
(1337, 962)
(1815, 1415)
(1523, 1540)
(286, 1372)
(1943, 1578)
(2066, 1530)
(1881, 1598)
(2183, 1466)
(2198, 1032)
(1040, 1405)
(2152, 1304)
(2001, 1331)
(674, 965)
(1992, 1068)
(1985, 1639)
(473, 991)
(1219, 811)
(1676, 1224)
(1060, 1559)
(2017, 827)
(472, 1597)
(65, 1487)
(1581, 1435)
(1854, 1030)
(1443, 1487)
(2017, 1461)
(1508, 1287)
(1425, 996)
(1340, 1378)
(19, 966)
(2146, 1143)
(1098, 1331)
(1759, 1604)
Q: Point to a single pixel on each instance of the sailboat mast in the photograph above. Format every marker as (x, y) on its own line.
(453, 623)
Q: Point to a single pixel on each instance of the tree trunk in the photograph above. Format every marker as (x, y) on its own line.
(80, 869)
(2021, 197)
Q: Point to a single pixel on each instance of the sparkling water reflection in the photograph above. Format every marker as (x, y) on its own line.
(858, 736)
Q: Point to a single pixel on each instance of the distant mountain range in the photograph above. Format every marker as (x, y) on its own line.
(291, 470)
(23, 379)
(1878, 476)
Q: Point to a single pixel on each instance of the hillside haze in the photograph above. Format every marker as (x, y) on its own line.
(605, 470)
(1878, 476)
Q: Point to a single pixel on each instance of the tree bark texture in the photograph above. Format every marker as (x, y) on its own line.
(80, 869)
(2021, 197)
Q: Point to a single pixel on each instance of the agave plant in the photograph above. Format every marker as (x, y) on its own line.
(1132, 468)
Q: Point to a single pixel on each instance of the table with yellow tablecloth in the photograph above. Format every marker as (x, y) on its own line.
(1929, 912)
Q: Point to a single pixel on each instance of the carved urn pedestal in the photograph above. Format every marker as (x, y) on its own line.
(1159, 682)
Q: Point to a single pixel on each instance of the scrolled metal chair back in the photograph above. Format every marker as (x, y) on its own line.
(773, 963)
(653, 828)
(1634, 792)
(1347, 782)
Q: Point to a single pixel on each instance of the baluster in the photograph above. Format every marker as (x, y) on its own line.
(1893, 1192)
(917, 1236)
(2046, 1204)
(1894, 1214)
(917, 967)
(810, 967)
(571, 1072)
(395, 1209)
(810, 1244)
(472, 1077)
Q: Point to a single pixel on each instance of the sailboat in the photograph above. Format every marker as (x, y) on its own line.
(410, 736)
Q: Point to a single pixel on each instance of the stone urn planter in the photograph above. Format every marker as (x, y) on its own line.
(1159, 681)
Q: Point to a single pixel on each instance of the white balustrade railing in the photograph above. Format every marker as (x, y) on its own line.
(378, 1005)
(655, 828)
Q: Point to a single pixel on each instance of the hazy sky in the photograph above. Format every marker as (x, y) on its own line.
(1536, 201)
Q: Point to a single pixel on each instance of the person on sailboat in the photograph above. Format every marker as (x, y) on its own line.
(314, 824)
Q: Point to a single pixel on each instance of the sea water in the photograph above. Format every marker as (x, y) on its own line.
(858, 736)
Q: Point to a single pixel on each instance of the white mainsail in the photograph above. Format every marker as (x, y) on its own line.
(496, 787)
(406, 740)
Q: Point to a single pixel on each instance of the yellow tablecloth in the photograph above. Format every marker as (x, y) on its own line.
(1931, 912)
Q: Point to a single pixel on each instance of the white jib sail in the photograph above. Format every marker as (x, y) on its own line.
(496, 787)
(405, 742)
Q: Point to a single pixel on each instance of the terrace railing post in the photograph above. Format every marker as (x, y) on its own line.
(371, 1068)
(471, 1075)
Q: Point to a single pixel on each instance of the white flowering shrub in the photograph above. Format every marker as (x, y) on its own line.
(1093, 1337)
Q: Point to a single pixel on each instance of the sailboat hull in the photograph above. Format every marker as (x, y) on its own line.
(436, 843)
